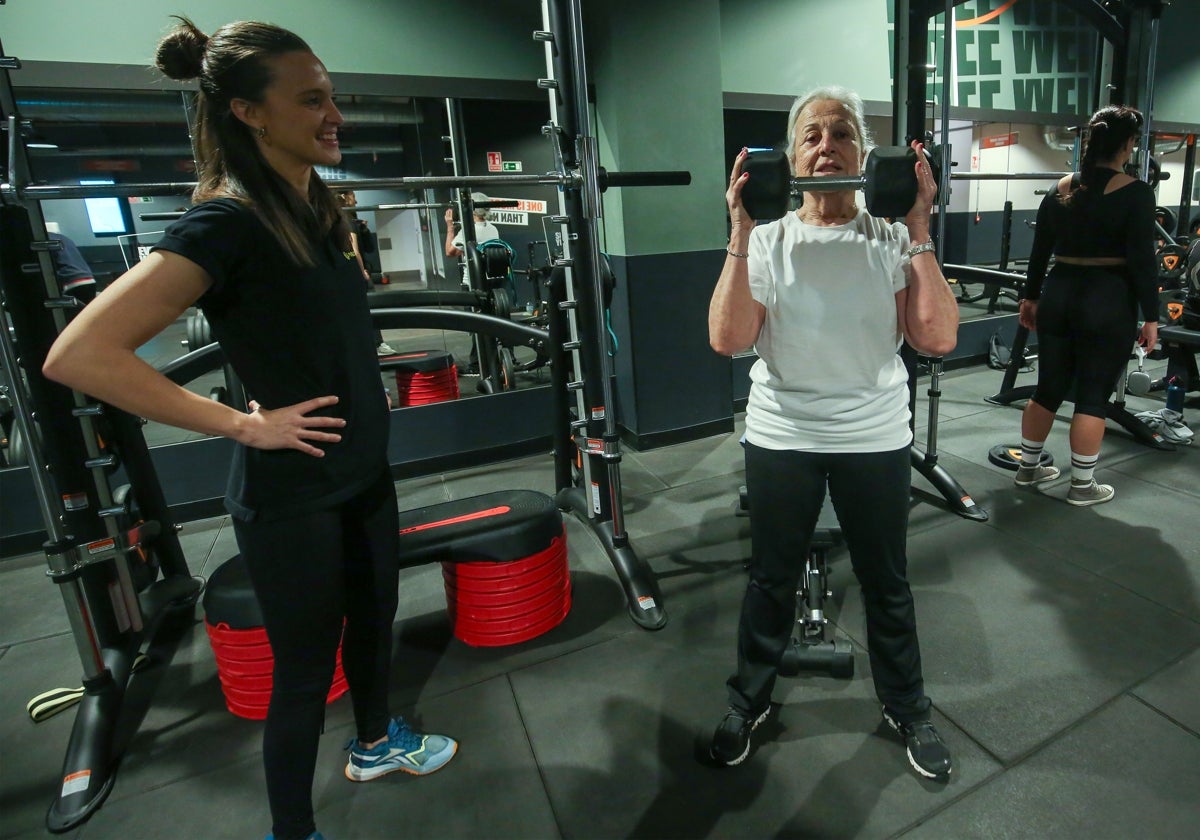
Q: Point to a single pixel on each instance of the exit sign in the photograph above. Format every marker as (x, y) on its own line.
(511, 166)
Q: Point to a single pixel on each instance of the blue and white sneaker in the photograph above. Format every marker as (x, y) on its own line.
(404, 749)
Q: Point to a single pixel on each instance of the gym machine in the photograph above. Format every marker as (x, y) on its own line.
(587, 452)
(814, 648)
(112, 550)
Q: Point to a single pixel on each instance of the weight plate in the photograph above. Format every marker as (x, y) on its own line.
(1172, 262)
(1009, 457)
(501, 302)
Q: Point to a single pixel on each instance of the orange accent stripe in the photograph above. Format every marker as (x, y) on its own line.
(995, 13)
(454, 520)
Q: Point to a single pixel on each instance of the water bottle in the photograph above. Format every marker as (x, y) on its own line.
(1175, 395)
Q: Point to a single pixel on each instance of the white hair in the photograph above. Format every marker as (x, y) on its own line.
(848, 98)
(481, 212)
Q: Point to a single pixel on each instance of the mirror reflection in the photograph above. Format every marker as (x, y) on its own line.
(409, 242)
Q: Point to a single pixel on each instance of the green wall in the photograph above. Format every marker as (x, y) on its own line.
(766, 46)
(1177, 78)
(658, 107)
(389, 37)
(783, 47)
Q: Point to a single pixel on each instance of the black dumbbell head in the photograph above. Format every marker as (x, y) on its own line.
(890, 181)
(768, 189)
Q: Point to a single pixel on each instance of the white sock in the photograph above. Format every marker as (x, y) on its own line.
(1082, 467)
(1031, 452)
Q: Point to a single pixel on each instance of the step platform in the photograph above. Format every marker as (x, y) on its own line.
(423, 376)
(504, 571)
(245, 662)
(504, 563)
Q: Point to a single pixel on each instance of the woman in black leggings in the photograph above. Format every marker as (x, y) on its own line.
(266, 254)
(1099, 226)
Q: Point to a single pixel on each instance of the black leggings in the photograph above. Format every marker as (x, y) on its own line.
(309, 573)
(1086, 325)
(870, 494)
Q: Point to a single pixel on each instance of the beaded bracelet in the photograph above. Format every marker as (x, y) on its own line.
(733, 253)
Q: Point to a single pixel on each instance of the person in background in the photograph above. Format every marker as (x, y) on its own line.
(825, 296)
(1099, 226)
(484, 229)
(311, 495)
(74, 275)
(348, 200)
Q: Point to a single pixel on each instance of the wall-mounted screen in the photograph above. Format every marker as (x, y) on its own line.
(108, 216)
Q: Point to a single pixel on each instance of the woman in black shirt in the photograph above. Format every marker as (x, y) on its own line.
(266, 254)
(1099, 226)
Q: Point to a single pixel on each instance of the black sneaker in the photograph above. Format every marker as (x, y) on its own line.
(927, 752)
(731, 741)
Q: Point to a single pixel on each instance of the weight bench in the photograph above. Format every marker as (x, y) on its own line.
(814, 648)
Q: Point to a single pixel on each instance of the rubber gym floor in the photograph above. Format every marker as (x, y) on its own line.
(1061, 648)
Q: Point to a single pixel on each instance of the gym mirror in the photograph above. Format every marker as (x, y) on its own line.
(142, 137)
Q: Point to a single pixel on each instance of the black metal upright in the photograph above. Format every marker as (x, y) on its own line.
(908, 107)
(594, 491)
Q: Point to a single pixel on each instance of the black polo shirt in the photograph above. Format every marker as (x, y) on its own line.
(291, 333)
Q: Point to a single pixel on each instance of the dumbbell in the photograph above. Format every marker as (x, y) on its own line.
(1139, 382)
(889, 181)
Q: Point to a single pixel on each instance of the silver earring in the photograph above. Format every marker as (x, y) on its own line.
(261, 133)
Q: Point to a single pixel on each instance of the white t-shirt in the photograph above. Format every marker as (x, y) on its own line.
(828, 377)
(483, 232)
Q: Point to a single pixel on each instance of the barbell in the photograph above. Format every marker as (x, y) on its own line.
(171, 215)
(571, 180)
(888, 180)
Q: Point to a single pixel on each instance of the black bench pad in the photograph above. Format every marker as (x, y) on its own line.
(494, 527)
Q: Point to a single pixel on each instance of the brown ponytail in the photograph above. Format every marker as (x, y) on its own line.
(233, 63)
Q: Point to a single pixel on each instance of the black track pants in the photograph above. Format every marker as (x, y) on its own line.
(870, 494)
(310, 573)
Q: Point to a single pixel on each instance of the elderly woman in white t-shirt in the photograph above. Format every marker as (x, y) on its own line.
(825, 296)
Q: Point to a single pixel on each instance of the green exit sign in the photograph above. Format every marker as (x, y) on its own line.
(512, 166)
